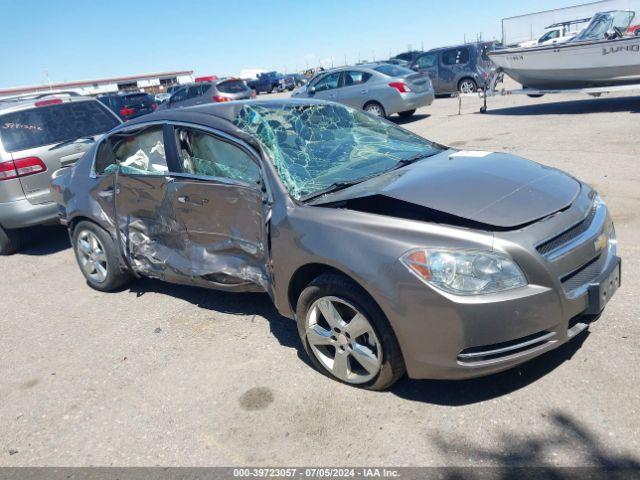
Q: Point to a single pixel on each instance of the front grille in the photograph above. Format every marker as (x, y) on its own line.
(568, 235)
(505, 349)
(584, 275)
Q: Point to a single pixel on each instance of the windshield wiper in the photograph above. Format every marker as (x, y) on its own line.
(408, 161)
(341, 185)
(87, 138)
(334, 187)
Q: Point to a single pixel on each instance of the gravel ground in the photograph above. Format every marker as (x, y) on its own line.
(165, 375)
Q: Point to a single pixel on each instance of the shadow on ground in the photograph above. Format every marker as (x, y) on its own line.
(520, 449)
(572, 107)
(413, 118)
(440, 392)
(259, 304)
(43, 240)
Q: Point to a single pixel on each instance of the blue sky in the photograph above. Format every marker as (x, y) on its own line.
(74, 40)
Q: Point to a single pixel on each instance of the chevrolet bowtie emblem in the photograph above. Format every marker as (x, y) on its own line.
(600, 242)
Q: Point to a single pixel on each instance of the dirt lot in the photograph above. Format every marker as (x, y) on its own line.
(166, 375)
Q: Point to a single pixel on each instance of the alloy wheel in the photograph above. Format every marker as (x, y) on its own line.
(343, 340)
(91, 254)
(467, 86)
(375, 109)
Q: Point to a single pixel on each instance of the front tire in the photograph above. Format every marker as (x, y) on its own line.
(9, 241)
(467, 85)
(346, 335)
(374, 108)
(407, 113)
(97, 258)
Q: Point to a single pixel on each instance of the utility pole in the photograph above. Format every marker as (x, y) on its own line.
(47, 79)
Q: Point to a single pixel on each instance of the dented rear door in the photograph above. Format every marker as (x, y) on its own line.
(151, 238)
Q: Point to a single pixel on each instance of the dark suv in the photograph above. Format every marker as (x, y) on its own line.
(129, 105)
(463, 68)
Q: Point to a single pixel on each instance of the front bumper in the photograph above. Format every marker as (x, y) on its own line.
(454, 337)
(23, 213)
(472, 337)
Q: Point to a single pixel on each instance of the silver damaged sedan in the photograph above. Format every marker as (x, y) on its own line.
(392, 253)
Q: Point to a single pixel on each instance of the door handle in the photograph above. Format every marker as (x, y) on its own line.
(199, 202)
(364, 91)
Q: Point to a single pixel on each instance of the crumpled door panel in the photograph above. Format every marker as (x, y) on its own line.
(226, 233)
(151, 239)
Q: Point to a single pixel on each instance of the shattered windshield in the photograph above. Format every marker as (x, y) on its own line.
(319, 145)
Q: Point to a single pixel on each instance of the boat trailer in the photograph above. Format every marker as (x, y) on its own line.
(491, 90)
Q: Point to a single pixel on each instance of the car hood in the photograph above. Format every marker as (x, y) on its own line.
(494, 189)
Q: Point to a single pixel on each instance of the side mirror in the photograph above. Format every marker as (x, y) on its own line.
(311, 90)
(415, 68)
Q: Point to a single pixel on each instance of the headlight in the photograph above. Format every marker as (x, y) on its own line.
(464, 272)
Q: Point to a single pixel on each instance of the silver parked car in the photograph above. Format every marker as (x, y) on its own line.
(380, 89)
(38, 135)
(391, 252)
(223, 90)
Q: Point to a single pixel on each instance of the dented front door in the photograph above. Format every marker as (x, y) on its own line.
(226, 233)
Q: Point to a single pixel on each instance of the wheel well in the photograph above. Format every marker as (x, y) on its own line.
(304, 276)
(369, 102)
(76, 220)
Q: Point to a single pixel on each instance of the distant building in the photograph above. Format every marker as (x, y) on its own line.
(155, 82)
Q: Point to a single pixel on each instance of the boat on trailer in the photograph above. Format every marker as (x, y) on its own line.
(599, 56)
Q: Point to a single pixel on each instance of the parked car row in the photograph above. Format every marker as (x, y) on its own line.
(222, 90)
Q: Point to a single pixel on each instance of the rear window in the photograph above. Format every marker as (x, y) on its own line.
(136, 99)
(455, 56)
(484, 52)
(232, 86)
(393, 70)
(53, 124)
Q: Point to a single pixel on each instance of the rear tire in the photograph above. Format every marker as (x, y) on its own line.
(9, 241)
(374, 108)
(382, 355)
(407, 113)
(98, 258)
